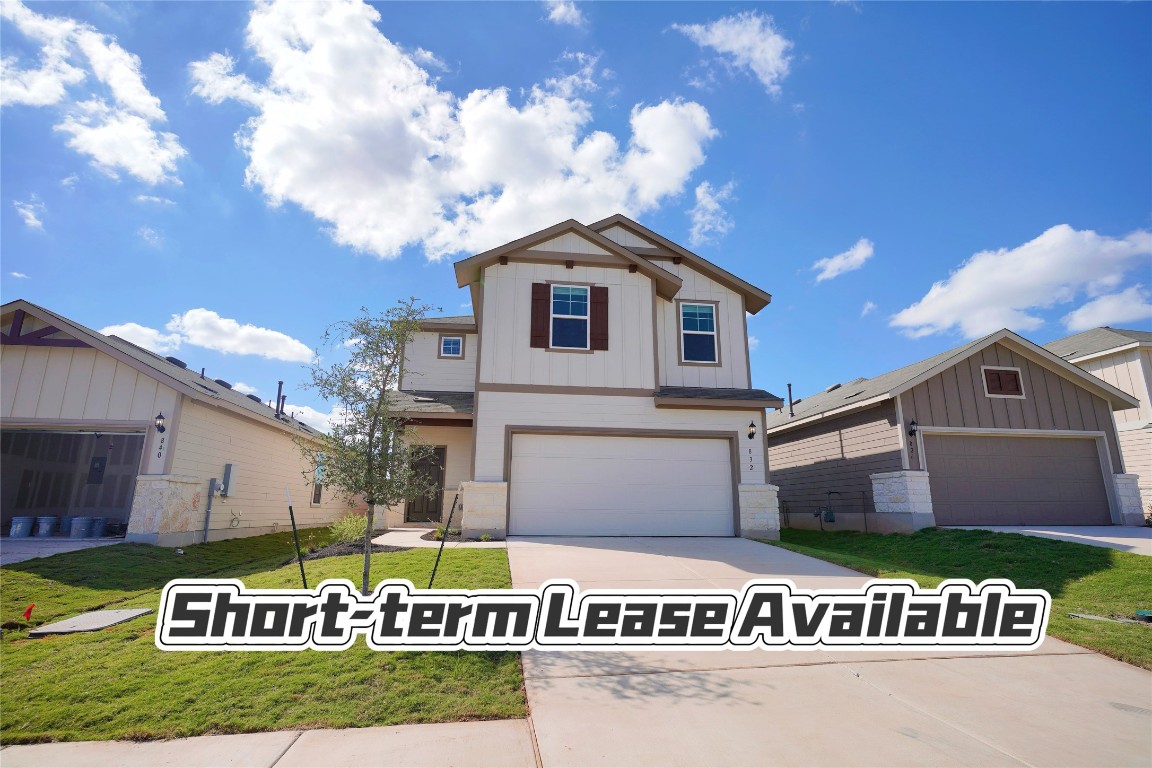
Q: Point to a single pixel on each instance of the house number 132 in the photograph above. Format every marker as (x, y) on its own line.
(751, 467)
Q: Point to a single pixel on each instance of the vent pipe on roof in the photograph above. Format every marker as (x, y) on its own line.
(283, 403)
(279, 393)
(791, 412)
(201, 373)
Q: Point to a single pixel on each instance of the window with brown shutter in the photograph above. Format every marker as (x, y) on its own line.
(599, 318)
(569, 317)
(1002, 382)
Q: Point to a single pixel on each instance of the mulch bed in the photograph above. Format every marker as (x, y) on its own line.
(450, 536)
(344, 549)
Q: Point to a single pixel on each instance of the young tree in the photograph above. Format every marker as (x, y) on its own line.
(369, 452)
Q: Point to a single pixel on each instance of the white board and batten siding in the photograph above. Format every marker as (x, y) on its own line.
(1129, 371)
(264, 461)
(565, 485)
(508, 357)
(61, 387)
(428, 372)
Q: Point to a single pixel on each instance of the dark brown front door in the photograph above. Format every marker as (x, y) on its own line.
(427, 509)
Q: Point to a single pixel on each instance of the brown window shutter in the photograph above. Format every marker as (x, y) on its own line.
(994, 387)
(598, 333)
(540, 314)
(1010, 380)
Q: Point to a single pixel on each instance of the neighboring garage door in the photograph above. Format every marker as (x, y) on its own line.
(994, 480)
(565, 485)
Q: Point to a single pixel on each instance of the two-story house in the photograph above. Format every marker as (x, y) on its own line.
(1123, 358)
(603, 387)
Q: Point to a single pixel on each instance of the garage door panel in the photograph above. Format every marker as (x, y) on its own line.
(620, 486)
(999, 480)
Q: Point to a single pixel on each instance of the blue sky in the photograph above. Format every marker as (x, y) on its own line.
(222, 180)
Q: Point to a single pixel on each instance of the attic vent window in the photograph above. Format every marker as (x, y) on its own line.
(1002, 382)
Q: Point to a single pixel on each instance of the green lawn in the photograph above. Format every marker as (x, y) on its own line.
(1080, 579)
(115, 683)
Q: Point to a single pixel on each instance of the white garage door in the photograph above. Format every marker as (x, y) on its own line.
(564, 485)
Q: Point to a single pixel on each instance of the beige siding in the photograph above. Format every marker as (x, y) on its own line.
(733, 371)
(264, 462)
(497, 410)
(509, 359)
(955, 398)
(569, 242)
(426, 371)
(61, 386)
(628, 239)
(457, 442)
(1136, 445)
(837, 455)
(1127, 371)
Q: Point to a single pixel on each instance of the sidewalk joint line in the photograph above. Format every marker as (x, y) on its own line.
(291, 744)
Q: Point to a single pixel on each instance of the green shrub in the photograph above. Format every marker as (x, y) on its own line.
(485, 537)
(348, 529)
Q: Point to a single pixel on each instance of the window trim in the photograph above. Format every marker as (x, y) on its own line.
(587, 318)
(317, 487)
(440, 346)
(1019, 377)
(715, 333)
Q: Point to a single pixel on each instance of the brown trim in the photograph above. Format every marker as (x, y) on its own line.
(653, 252)
(595, 260)
(448, 327)
(463, 346)
(76, 425)
(469, 270)
(549, 389)
(716, 403)
(452, 415)
(439, 422)
(758, 299)
(680, 334)
(747, 347)
(733, 438)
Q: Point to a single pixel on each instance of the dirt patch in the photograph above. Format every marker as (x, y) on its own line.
(344, 549)
(449, 536)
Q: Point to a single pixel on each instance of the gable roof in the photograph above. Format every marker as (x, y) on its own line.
(861, 393)
(183, 380)
(469, 270)
(755, 299)
(466, 323)
(1097, 341)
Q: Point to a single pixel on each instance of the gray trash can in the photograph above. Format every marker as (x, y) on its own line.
(45, 526)
(21, 527)
(98, 524)
(80, 528)
(65, 526)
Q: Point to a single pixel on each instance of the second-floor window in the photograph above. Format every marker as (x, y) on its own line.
(698, 333)
(569, 317)
(451, 346)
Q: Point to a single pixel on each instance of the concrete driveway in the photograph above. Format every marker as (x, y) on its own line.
(1058, 706)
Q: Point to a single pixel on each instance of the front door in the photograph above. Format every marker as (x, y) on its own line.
(427, 509)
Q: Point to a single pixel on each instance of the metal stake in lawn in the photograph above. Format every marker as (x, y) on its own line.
(296, 537)
(443, 539)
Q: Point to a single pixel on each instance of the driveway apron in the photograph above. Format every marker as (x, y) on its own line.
(1058, 706)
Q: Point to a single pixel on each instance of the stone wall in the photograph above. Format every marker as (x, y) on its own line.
(485, 509)
(1129, 499)
(759, 511)
(903, 502)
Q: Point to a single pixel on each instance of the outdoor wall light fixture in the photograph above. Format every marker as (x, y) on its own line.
(751, 430)
(160, 422)
(913, 428)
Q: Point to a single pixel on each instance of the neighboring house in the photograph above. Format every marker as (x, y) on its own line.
(997, 431)
(1123, 358)
(603, 388)
(80, 437)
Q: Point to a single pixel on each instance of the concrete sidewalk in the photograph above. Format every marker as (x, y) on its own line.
(1059, 706)
(490, 743)
(29, 547)
(1123, 538)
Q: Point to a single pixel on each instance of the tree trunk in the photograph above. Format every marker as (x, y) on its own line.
(364, 584)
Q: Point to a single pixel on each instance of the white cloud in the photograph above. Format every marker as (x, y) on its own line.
(746, 41)
(142, 336)
(113, 122)
(19, 275)
(30, 212)
(314, 418)
(1131, 305)
(868, 308)
(154, 200)
(69, 181)
(244, 389)
(376, 150)
(564, 12)
(753, 342)
(150, 236)
(1001, 288)
(709, 219)
(205, 328)
(848, 261)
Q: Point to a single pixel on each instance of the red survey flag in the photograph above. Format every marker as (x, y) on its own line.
(28, 612)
